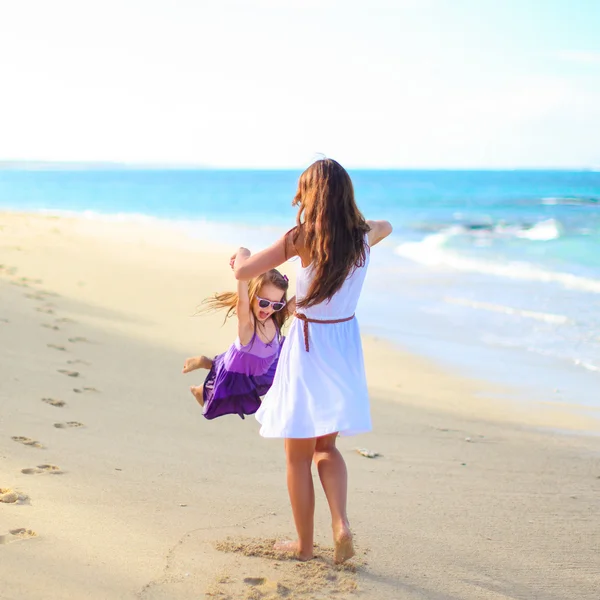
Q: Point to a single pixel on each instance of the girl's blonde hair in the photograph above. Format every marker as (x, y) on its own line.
(229, 300)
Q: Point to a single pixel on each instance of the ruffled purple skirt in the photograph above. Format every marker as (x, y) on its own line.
(231, 393)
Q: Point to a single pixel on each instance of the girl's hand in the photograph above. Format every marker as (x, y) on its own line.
(242, 253)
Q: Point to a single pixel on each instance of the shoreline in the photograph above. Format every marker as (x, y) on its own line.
(429, 326)
(483, 502)
(497, 400)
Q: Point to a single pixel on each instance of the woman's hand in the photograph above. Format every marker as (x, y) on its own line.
(241, 253)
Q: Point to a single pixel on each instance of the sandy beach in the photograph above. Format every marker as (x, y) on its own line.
(113, 485)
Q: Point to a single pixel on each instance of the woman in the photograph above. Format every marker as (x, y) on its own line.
(320, 389)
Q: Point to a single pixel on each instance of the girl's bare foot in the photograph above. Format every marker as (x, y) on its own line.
(344, 546)
(290, 547)
(198, 391)
(196, 362)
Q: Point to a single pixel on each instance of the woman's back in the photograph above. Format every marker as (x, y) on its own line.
(342, 304)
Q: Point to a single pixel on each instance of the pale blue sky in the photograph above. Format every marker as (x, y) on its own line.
(405, 83)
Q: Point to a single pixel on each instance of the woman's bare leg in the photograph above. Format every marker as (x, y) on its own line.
(299, 453)
(334, 479)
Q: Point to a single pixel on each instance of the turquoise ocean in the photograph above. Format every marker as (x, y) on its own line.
(493, 273)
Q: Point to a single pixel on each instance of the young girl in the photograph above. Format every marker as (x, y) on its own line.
(320, 387)
(239, 377)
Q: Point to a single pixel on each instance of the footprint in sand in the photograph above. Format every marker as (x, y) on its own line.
(17, 534)
(286, 578)
(68, 424)
(78, 361)
(50, 326)
(43, 469)
(74, 340)
(40, 295)
(26, 441)
(10, 496)
(57, 347)
(53, 402)
(69, 373)
(65, 320)
(255, 580)
(85, 389)
(48, 311)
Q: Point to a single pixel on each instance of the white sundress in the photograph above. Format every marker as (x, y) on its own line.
(322, 390)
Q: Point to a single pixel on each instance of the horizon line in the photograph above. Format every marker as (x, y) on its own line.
(174, 166)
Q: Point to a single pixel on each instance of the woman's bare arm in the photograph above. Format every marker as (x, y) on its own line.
(247, 265)
(379, 231)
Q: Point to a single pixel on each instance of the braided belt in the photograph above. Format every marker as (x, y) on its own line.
(306, 320)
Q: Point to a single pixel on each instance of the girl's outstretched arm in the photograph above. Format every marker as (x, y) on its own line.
(243, 310)
(246, 265)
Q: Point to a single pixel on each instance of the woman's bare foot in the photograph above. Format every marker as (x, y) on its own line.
(196, 362)
(344, 546)
(290, 547)
(198, 391)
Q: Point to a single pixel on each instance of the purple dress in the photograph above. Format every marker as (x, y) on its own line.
(240, 376)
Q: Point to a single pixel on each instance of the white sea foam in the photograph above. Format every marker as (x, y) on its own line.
(542, 231)
(431, 252)
(510, 310)
(504, 342)
(588, 366)
(565, 201)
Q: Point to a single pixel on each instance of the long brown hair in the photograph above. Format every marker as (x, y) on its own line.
(332, 228)
(229, 300)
